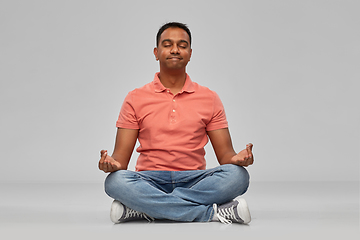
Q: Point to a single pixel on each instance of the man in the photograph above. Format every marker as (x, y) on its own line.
(173, 118)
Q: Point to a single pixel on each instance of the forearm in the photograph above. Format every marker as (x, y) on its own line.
(124, 146)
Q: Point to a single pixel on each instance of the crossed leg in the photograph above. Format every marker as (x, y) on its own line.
(179, 196)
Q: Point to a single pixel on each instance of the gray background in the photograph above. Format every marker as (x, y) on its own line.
(286, 71)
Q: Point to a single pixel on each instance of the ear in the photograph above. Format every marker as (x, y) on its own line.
(156, 54)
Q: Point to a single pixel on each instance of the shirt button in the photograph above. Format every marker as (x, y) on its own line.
(168, 91)
(173, 110)
(173, 100)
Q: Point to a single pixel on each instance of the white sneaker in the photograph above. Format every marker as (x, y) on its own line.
(235, 211)
(120, 213)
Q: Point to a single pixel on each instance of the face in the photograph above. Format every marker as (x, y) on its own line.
(174, 49)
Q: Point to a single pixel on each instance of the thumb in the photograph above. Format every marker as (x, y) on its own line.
(250, 146)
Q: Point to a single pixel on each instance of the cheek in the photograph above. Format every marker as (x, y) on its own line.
(188, 57)
(163, 54)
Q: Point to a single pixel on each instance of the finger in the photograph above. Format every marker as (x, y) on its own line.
(102, 166)
(252, 155)
(250, 161)
(101, 162)
(103, 154)
(112, 167)
(248, 151)
(244, 163)
(106, 167)
(249, 148)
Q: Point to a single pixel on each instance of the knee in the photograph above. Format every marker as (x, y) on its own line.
(238, 176)
(112, 182)
(242, 173)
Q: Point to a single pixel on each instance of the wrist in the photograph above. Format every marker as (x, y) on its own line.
(228, 158)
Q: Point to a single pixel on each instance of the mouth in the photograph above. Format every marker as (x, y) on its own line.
(174, 58)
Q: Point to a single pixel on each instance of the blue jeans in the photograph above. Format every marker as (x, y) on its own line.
(178, 195)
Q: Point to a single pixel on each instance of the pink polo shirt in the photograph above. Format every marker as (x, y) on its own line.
(172, 128)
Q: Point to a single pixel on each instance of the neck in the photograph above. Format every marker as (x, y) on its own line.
(173, 80)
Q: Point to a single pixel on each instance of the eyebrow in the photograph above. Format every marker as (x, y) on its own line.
(169, 40)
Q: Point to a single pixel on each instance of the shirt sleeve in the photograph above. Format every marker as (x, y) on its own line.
(218, 120)
(127, 117)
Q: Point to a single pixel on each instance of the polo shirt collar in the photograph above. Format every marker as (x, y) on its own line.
(188, 86)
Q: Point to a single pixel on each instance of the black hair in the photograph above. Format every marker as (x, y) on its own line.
(172, 25)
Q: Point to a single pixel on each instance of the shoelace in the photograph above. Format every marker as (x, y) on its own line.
(225, 214)
(132, 213)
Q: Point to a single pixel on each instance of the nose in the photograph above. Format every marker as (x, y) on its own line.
(175, 49)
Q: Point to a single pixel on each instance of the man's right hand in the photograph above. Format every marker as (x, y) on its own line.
(107, 163)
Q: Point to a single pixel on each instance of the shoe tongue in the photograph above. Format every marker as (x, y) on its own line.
(232, 204)
(228, 204)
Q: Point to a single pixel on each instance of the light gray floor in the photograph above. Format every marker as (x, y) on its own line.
(310, 210)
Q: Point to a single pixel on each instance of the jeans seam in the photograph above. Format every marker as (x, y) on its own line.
(211, 215)
(210, 173)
